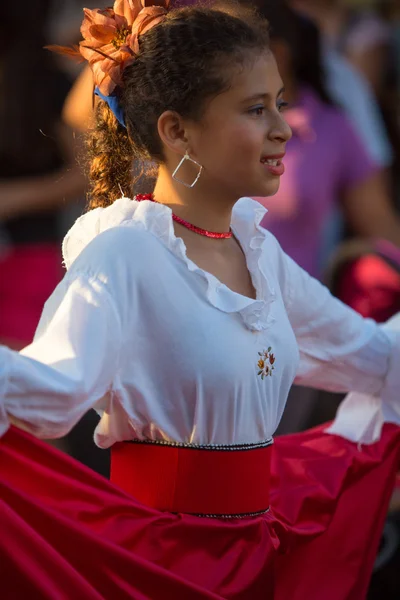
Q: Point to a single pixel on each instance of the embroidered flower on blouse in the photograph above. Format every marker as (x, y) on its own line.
(266, 363)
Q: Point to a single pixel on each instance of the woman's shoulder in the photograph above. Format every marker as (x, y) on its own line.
(119, 241)
(111, 245)
(115, 231)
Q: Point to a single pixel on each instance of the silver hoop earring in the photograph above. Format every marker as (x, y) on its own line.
(187, 157)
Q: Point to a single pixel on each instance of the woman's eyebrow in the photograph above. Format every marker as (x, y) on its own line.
(263, 96)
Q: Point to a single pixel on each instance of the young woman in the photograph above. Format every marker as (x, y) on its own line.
(184, 324)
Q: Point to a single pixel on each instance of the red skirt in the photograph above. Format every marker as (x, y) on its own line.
(66, 532)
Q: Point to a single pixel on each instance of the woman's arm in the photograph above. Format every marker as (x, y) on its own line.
(369, 211)
(78, 107)
(367, 47)
(340, 351)
(372, 63)
(71, 364)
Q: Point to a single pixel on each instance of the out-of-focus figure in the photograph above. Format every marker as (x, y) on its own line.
(360, 35)
(362, 66)
(38, 170)
(327, 166)
(348, 84)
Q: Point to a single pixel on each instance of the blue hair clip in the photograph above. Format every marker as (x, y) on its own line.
(113, 102)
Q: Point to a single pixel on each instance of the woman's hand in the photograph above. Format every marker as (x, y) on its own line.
(369, 211)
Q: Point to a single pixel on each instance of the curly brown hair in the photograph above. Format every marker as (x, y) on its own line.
(182, 63)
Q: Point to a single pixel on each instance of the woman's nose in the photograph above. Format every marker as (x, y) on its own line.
(280, 131)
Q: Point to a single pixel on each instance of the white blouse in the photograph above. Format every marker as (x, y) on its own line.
(164, 351)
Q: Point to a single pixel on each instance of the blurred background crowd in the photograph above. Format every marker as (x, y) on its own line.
(337, 212)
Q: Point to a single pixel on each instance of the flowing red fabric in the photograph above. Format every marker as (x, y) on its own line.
(66, 532)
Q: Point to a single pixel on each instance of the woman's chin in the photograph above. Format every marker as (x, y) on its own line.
(269, 188)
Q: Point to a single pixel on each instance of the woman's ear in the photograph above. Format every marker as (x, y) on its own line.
(173, 132)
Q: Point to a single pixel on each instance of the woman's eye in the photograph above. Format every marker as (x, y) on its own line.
(258, 111)
(282, 105)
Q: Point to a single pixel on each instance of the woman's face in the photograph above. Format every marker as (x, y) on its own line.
(241, 138)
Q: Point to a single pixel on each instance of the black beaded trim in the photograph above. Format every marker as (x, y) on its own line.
(237, 516)
(222, 447)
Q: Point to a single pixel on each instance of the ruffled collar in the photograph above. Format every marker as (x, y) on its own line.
(155, 218)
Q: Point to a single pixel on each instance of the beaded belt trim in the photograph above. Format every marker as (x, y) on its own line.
(223, 447)
(236, 516)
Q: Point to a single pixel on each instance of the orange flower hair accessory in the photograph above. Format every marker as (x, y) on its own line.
(111, 38)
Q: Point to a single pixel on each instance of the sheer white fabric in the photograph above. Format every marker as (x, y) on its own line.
(163, 350)
(361, 416)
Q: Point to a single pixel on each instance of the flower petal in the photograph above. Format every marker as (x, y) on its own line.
(129, 9)
(93, 23)
(101, 27)
(126, 51)
(102, 33)
(71, 52)
(147, 18)
(93, 54)
(108, 80)
(156, 3)
(150, 22)
(97, 17)
(89, 54)
(133, 41)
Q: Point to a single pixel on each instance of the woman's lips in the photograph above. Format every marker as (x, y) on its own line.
(277, 170)
(274, 164)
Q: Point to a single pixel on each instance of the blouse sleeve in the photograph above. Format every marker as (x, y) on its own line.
(341, 351)
(70, 365)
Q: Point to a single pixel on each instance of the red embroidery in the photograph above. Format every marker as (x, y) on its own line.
(266, 363)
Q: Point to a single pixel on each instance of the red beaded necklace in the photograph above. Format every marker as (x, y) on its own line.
(210, 234)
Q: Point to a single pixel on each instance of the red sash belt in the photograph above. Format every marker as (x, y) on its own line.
(225, 481)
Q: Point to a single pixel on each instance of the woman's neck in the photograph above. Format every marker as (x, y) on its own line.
(208, 210)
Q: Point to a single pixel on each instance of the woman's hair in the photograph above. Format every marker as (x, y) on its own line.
(182, 63)
(304, 40)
